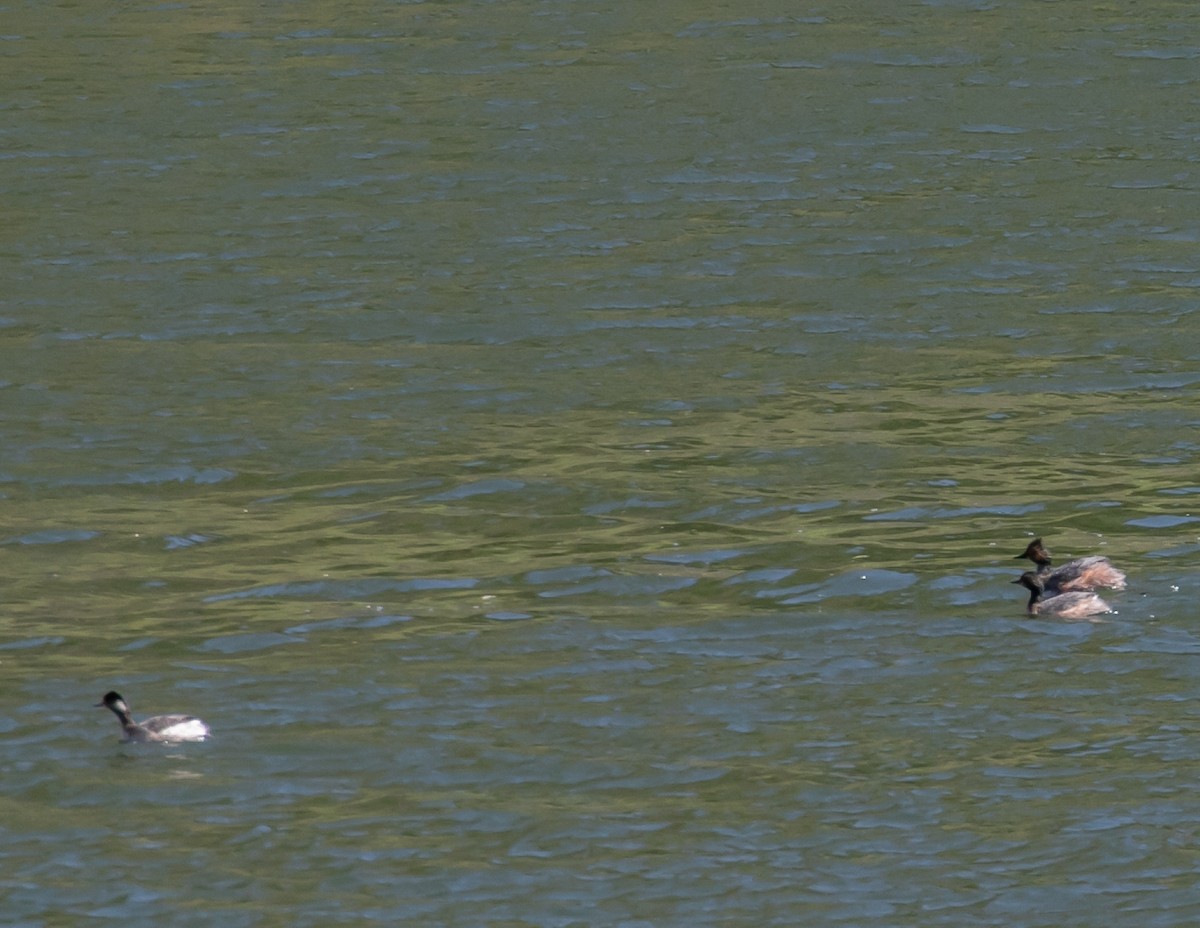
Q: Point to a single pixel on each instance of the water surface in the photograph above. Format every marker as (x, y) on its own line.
(573, 457)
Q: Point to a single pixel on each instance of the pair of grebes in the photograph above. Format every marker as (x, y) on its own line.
(1067, 591)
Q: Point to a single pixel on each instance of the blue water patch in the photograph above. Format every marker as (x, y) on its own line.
(251, 641)
(342, 622)
(26, 643)
(621, 585)
(812, 507)
(1176, 551)
(203, 476)
(1162, 521)
(174, 542)
(920, 513)
(949, 583)
(51, 537)
(344, 589)
(764, 575)
(715, 556)
(138, 644)
(600, 509)
(853, 583)
(477, 488)
(564, 574)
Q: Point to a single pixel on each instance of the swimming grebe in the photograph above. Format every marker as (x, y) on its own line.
(1085, 573)
(1064, 605)
(160, 728)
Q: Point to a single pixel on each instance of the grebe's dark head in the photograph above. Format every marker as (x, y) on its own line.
(112, 700)
(1032, 582)
(1036, 552)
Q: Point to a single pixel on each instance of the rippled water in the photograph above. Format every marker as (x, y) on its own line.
(573, 457)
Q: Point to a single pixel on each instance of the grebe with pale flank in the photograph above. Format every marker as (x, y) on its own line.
(1076, 605)
(159, 728)
(1082, 574)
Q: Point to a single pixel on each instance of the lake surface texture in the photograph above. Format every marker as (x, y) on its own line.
(573, 454)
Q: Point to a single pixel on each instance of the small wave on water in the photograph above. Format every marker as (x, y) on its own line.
(855, 583)
(343, 590)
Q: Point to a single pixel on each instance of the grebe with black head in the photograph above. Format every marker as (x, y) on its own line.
(1077, 605)
(169, 729)
(1079, 575)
